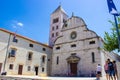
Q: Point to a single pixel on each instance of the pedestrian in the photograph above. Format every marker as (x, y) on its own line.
(98, 70)
(106, 69)
(115, 70)
(110, 70)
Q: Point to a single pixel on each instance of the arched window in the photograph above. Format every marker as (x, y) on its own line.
(57, 60)
(93, 57)
(30, 54)
(43, 59)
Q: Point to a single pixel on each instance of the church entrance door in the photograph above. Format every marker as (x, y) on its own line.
(73, 69)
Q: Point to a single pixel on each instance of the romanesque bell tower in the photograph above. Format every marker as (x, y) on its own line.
(58, 17)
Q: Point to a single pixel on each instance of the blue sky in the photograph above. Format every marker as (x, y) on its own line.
(31, 18)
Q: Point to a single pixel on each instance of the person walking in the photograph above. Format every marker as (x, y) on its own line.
(98, 70)
(115, 70)
(110, 69)
(106, 69)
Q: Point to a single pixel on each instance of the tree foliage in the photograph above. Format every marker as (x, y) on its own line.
(111, 40)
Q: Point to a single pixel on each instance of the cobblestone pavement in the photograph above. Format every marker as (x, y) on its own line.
(9, 77)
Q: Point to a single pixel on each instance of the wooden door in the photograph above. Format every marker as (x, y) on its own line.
(73, 68)
(20, 69)
(0, 67)
(36, 70)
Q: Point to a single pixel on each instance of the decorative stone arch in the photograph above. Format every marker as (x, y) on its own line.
(73, 59)
(73, 65)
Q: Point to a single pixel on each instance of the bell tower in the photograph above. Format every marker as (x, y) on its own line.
(57, 19)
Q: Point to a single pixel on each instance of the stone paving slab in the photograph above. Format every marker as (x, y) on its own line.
(41, 78)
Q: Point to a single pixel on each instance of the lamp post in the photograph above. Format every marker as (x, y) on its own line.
(117, 30)
(5, 60)
(114, 12)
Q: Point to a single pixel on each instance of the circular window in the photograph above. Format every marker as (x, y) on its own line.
(73, 35)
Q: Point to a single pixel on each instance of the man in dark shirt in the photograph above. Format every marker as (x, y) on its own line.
(111, 71)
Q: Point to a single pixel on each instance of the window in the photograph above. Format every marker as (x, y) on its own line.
(30, 55)
(43, 69)
(57, 48)
(53, 28)
(57, 27)
(92, 42)
(73, 45)
(29, 68)
(52, 34)
(44, 49)
(73, 54)
(43, 59)
(12, 53)
(73, 35)
(56, 33)
(48, 59)
(57, 60)
(11, 66)
(55, 20)
(14, 39)
(93, 57)
(30, 45)
(64, 20)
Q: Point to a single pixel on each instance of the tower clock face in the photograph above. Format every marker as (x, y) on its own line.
(73, 35)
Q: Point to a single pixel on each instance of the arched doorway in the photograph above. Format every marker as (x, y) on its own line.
(72, 65)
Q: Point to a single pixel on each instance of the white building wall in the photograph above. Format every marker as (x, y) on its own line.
(21, 57)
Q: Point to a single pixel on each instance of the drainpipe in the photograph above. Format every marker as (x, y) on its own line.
(4, 64)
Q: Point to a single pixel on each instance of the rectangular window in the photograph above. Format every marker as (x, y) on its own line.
(30, 45)
(64, 20)
(43, 69)
(93, 57)
(56, 33)
(12, 53)
(53, 28)
(73, 45)
(92, 42)
(29, 68)
(43, 59)
(30, 55)
(57, 48)
(52, 34)
(57, 60)
(55, 20)
(44, 49)
(11, 66)
(57, 27)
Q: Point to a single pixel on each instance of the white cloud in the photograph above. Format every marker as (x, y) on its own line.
(20, 24)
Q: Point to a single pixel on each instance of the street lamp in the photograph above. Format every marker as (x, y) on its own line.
(114, 12)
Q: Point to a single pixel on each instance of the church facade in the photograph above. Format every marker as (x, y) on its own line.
(77, 50)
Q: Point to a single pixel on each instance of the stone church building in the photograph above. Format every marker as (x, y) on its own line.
(73, 50)
(76, 49)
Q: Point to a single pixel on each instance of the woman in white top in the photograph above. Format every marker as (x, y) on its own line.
(98, 70)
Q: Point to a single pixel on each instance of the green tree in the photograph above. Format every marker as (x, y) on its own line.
(111, 40)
